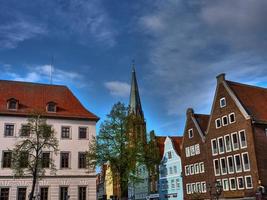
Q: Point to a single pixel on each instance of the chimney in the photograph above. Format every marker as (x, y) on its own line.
(189, 112)
(220, 78)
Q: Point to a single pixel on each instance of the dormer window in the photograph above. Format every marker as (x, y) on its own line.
(222, 102)
(12, 104)
(51, 107)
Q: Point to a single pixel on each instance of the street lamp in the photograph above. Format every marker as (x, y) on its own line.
(218, 190)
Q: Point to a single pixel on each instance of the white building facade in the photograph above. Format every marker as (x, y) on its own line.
(74, 127)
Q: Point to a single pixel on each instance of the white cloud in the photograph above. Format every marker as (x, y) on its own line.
(118, 89)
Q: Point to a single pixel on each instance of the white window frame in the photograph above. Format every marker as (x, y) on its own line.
(227, 185)
(203, 187)
(221, 100)
(230, 122)
(228, 166)
(240, 142)
(192, 169)
(187, 152)
(201, 167)
(235, 163)
(187, 172)
(197, 149)
(193, 187)
(231, 184)
(243, 163)
(212, 149)
(218, 119)
(188, 188)
(223, 173)
(219, 149)
(192, 150)
(232, 140)
(196, 166)
(190, 133)
(246, 182)
(214, 167)
(230, 143)
(225, 117)
(240, 177)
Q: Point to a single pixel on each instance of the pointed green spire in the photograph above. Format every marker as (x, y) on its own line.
(135, 102)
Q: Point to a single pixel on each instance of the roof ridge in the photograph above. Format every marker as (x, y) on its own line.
(33, 83)
(246, 85)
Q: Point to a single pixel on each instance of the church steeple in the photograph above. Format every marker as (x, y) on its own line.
(135, 102)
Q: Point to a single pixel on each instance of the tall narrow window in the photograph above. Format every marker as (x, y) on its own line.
(230, 164)
(4, 193)
(194, 188)
(192, 169)
(197, 149)
(227, 142)
(177, 183)
(7, 157)
(187, 170)
(232, 183)
(9, 130)
(245, 160)
(190, 133)
(218, 123)
(242, 138)
(196, 168)
(248, 181)
(172, 184)
(24, 159)
(25, 131)
(82, 132)
(22, 193)
(214, 147)
(225, 184)
(221, 145)
(82, 160)
(198, 185)
(232, 118)
(203, 187)
(216, 167)
(175, 169)
(201, 167)
(65, 132)
(235, 142)
(46, 159)
(82, 193)
(64, 160)
(64, 193)
(192, 150)
(187, 152)
(222, 102)
(188, 188)
(223, 166)
(225, 120)
(169, 155)
(240, 182)
(238, 166)
(44, 193)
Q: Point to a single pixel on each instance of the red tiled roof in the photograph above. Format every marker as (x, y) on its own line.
(160, 143)
(177, 142)
(202, 121)
(34, 97)
(252, 98)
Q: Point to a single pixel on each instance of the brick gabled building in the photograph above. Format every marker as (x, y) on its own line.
(194, 156)
(236, 138)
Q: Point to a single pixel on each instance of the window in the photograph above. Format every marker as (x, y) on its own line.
(218, 123)
(175, 169)
(235, 141)
(172, 184)
(192, 170)
(238, 166)
(64, 193)
(4, 193)
(222, 102)
(248, 182)
(51, 107)
(196, 168)
(82, 193)
(192, 150)
(64, 160)
(9, 130)
(242, 138)
(170, 170)
(190, 133)
(65, 132)
(230, 164)
(240, 182)
(245, 160)
(22, 193)
(177, 183)
(232, 118)
(44, 193)
(82, 132)
(198, 187)
(216, 167)
(197, 149)
(225, 184)
(214, 147)
(169, 155)
(201, 167)
(187, 170)
(12, 104)
(223, 166)
(227, 142)
(7, 157)
(194, 189)
(46, 159)
(225, 120)
(221, 145)
(23, 159)
(203, 187)
(187, 152)
(25, 131)
(188, 188)
(232, 183)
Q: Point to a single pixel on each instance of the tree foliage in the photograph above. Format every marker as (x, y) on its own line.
(27, 153)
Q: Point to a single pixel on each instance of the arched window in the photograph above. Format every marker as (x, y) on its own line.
(12, 104)
(51, 107)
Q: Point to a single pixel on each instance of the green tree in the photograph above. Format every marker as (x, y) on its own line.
(115, 144)
(27, 153)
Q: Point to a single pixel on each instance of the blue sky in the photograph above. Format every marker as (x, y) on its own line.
(178, 47)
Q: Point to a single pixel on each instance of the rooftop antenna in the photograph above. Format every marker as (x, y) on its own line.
(51, 70)
(133, 64)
